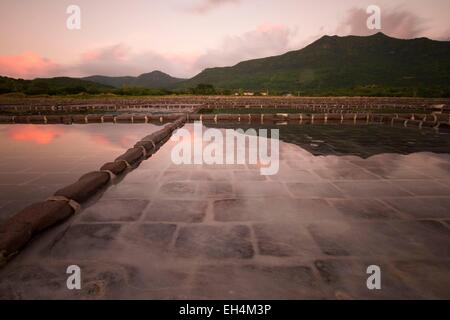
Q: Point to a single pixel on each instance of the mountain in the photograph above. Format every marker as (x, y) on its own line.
(341, 65)
(59, 85)
(152, 80)
(376, 65)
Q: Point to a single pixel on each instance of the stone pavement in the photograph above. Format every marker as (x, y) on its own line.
(226, 232)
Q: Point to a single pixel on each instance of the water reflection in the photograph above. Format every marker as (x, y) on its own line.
(226, 232)
(360, 140)
(60, 138)
(37, 134)
(36, 160)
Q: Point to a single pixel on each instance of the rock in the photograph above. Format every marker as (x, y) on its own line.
(86, 187)
(132, 155)
(115, 167)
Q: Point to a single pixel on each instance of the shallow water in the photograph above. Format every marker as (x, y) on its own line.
(171, 231)
(36, 160)
(363, 140)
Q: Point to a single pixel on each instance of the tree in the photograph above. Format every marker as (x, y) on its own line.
(204, 89)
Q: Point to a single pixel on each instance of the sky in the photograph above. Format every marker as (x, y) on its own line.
(183, 37)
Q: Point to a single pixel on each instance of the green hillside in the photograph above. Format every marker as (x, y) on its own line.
(152, 80)
(351, 65)
(53, 86)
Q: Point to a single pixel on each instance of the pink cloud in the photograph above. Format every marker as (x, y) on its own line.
(115, 52)
(26, 65)
(265, 40)
(269, 27)
(208, 5)
(120, 60)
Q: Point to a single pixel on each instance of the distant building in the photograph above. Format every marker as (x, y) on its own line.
(248, 93)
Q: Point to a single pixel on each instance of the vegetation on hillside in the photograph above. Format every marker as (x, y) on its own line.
(332, 66)
(376, 65)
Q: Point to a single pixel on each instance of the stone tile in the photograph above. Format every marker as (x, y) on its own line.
(176, 175)
(239, 210)
(395, 172)
(114, 210)
(223, 167)
(215, 189)
(432, 235)
(377, 163)
(13, 165)
(150, 236)
(48, 281)
(176, 211)
(345, 174)
(424, 188)
(314, 190)
(17, 178)
(27, 193)
(214, 242)
(152, 281)
(284, 240)
(56, 178)
(30, 282)
(142, 176)
(260, 189)
(54, 164)
(210, 175)
(248, 175)
(131, 191)
(290, 175)
(101, 281)
(445, 182)
(347, 279)
(422, 208)
(273, 209)
(366, 189)
(86, 241)
(362, 239)
(233, 282)
(364, 209)
(295, 164)
(316, 210)
(178, 190)
(428, 277)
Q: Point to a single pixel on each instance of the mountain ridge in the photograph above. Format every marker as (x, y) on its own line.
(374, 65)
(333, 63)
(153, 80)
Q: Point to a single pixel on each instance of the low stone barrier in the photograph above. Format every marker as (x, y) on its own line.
(92, 118)
(19, 229)
(407, 119)
(444, 125)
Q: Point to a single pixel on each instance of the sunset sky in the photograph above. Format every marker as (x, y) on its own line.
(182, 37)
